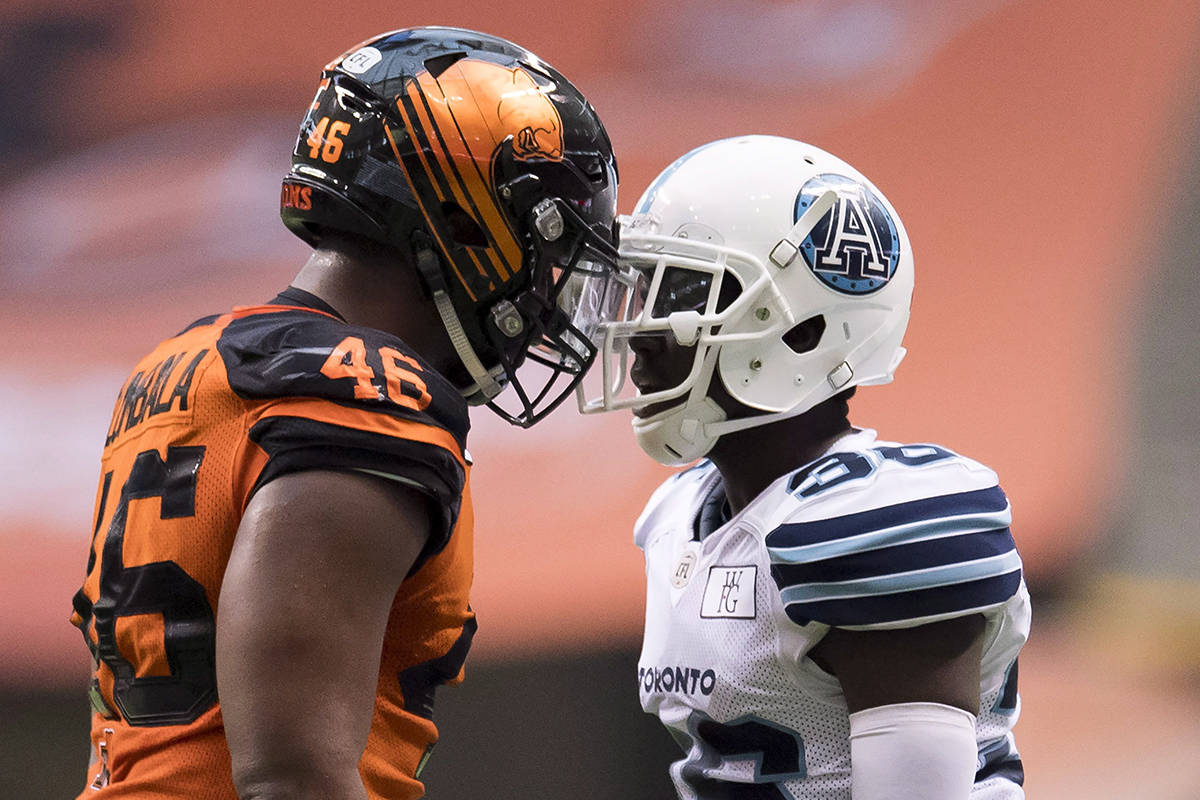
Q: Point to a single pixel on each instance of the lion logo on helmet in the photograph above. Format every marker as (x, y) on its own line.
(491, 102)
(524, 109)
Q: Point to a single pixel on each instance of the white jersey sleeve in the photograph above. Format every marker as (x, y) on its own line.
(893, 536)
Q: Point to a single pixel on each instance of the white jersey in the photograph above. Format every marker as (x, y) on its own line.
(871, 535)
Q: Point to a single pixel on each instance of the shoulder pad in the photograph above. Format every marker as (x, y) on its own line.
(893, 536)
(277, 352)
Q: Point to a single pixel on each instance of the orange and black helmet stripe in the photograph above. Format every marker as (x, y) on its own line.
(456, 122)
(447, 170)
(423, 165)
(444, 174)
(433, 229)
(479, 148)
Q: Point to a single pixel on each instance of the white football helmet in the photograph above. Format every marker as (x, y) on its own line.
(805, 237)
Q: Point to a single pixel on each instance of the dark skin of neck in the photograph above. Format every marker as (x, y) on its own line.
(376, 287)
(778, 448)
(749, 460)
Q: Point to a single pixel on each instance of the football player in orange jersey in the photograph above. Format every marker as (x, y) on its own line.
(283, 520)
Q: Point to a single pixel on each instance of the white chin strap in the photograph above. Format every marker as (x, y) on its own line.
(678, 435)
(485, 387)
(686, 432)
(683, 433)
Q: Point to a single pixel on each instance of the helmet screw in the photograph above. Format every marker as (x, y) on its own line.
(508, 319)
(763, 313)
(505, 192)
(756, 365)
(799, 379)
(548, 220)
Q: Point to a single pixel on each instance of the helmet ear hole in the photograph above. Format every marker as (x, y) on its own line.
(439, 64)
(463, 227)
(806, 336)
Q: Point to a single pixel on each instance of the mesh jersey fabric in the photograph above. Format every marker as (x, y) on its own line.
(871, 535)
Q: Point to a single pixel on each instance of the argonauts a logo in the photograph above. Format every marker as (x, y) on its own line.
(854, 249)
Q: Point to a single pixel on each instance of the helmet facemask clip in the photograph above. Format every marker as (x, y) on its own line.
(559, 247)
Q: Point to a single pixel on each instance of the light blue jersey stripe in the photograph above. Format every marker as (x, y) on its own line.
(917, 531)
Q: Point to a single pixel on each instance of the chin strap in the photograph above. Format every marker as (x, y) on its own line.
(681, 434)
(687, 431)
(835, 381)
(485, 386)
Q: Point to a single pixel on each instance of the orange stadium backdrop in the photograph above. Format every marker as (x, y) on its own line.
(1026, 144)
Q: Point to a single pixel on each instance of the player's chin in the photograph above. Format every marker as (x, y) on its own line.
(654, 409)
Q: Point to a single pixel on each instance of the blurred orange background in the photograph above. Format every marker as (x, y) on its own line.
(1041, 155)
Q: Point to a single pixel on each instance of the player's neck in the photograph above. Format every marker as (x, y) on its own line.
(383, 296)
(751, 460)
(342, 279)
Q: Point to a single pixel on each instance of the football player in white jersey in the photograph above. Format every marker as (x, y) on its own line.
(828, 615)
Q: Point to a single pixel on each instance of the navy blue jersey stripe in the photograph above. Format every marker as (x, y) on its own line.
(900, 558)
(994, 752)
(899, 582)
(998, 760)
(917, 531)
(978, 502)
(1006, 703)
(883, 608)
(1011, 770)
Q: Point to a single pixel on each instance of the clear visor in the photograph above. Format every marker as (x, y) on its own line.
(596, 300)
(556, 353)
(593, 299)
(649, 295)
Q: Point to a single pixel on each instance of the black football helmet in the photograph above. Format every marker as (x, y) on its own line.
(495, 175)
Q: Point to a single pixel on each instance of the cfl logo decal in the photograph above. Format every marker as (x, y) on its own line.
(854, 249)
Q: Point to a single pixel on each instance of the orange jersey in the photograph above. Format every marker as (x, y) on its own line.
(207, 417)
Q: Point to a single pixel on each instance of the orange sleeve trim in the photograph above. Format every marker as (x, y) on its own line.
(363, 420)
(248, 311)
